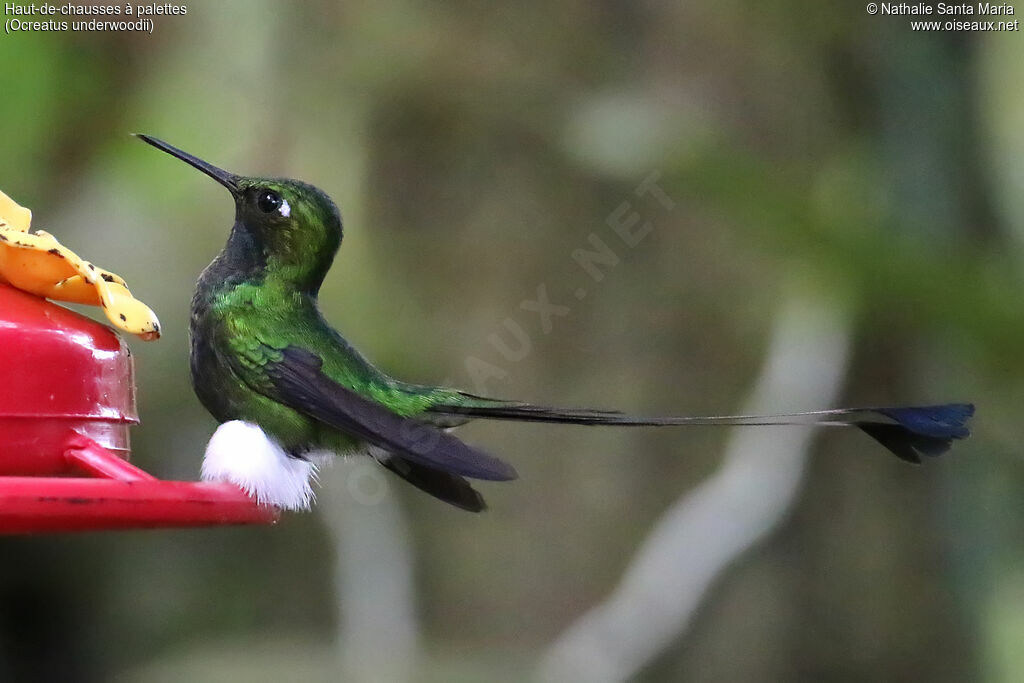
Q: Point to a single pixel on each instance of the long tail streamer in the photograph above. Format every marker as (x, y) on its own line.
(908, 432)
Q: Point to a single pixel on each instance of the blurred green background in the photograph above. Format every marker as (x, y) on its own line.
(808, 150)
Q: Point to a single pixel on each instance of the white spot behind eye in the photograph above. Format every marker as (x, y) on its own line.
(285, 209)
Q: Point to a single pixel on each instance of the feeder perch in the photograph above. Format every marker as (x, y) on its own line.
(66, 406)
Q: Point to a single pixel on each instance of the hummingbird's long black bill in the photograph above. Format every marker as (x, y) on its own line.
(228, 180)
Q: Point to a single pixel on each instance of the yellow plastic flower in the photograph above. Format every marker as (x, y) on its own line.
(37, 263)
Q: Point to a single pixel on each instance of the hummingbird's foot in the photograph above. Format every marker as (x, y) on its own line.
(242, 454)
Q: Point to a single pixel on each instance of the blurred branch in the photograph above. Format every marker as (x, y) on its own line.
(711, 527)
(373, 574)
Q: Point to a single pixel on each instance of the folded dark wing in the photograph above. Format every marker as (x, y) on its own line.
(297, 380)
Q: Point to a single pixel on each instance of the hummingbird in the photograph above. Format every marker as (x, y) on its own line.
(263, 356)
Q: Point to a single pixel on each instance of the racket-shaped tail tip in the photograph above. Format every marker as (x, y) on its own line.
(920, 430)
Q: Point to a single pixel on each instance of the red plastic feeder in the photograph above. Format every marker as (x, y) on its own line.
(67, 401)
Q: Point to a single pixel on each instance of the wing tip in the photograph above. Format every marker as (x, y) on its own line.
(503, 472)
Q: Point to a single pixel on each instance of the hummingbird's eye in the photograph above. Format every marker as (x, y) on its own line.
(268, 201)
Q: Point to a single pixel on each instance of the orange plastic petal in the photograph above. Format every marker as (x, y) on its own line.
(39, 264)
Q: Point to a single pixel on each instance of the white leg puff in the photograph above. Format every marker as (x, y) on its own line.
(241, 453)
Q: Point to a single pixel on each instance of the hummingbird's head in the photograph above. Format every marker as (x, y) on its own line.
(295, 228)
